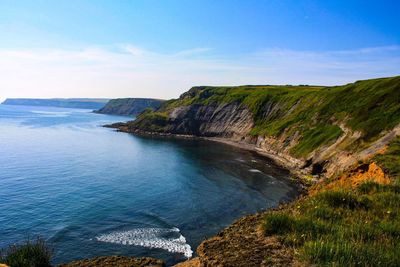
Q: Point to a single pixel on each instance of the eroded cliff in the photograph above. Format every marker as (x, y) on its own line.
(313, 129)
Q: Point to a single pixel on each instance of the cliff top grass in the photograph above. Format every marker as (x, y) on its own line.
(315, 112)
(346, 226)
(390, 160)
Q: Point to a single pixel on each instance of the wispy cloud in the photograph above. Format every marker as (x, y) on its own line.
(128, 70)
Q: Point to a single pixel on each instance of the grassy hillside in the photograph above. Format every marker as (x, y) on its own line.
(344, 226)
(315, 112)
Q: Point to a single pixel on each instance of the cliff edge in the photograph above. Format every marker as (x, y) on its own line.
(315, 130)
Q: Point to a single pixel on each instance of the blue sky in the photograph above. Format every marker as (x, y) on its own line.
(152, 48)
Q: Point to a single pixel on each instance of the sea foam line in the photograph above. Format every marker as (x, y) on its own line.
(255, 170)
(150, 238)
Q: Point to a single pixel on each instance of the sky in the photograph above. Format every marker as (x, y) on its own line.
(161, 48)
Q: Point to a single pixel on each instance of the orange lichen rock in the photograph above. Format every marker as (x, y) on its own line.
(366, 172)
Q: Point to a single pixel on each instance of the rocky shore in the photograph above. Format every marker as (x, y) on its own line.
(284, 160)
(116, 261)
(304, 130)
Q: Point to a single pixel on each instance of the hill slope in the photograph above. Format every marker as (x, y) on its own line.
(312, 128)
(129, 106)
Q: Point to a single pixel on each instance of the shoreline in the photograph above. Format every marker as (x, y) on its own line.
(293, 167)
(245, 223)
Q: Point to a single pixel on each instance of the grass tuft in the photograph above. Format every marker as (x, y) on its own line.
(29, 254)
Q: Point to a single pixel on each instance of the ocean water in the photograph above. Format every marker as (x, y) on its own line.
(91, 191)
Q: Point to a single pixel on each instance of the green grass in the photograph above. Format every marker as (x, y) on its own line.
(29, 254)
(369, 106)
(390, 161)
(315, 137)
(359, 227)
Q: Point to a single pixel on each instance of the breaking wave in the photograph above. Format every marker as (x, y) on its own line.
(255, 170)
(167, 239)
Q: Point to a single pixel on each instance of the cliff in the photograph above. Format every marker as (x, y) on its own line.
(349, 134)
(316, 130)
(129, 106)
(83, 103)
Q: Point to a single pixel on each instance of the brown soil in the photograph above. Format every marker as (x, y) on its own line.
(243, 244)
(365, 172)
(195, 262)
(116, 261)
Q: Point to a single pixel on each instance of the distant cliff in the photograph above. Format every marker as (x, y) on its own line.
(129, 106)
(83, 103)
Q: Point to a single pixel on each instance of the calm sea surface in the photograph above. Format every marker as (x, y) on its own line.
(92, 191)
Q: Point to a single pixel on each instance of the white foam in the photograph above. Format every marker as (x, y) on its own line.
(51, 113)
(150, 238)
(255, 170)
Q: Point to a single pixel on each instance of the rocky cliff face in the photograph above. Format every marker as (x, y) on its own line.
(222, 120)
(129, 106)
(314, 130)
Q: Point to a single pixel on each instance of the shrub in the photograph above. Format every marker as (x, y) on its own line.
(29, 254)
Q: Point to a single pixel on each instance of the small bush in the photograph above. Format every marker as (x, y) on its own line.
(29, 254)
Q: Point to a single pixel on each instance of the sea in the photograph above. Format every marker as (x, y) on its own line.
(92, 191)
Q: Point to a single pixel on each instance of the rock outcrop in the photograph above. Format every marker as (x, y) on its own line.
(115, 261)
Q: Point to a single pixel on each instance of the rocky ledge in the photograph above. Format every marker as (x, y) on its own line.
(116, 261)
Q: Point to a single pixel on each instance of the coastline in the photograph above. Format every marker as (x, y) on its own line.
(240, 233)
(300, 175)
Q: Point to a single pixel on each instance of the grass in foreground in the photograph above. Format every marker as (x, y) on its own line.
(346, 227)
(359, 227)
(29, 254)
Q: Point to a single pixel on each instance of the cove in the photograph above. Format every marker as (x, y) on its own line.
(91, 191)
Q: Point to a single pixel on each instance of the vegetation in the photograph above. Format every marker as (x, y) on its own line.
(29, 254)
(346, 227)
(315, 112)
(390, 160)
(358, 227)
(129, 106)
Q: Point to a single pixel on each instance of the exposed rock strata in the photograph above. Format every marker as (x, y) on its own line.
(232, 123)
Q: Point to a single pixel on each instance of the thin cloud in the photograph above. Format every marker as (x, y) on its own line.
(130, 71)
